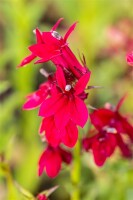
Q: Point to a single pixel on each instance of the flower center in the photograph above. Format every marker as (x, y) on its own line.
(56, 35)
(101, 139)
(109, 129)
(68, 88)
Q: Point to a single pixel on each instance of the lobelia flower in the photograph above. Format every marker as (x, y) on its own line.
(110, 127)
(51, 160)
(102, 144)
(61, 98)
(111, 117)
(129, 58)
(51, 46)
(60, 126)
(65, 103)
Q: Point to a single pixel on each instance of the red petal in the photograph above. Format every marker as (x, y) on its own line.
(52, 42)
(87, 142)
(42, 162)
(57, 24)
(50, 106)
(99, 157)
(123, 146)
(101, 117)
(81, 84)
(35, 99)
(102, 149)
(72, 27)
(43, 60)
(72, 63)
(123, 126)
(79, 112)
(27, 60)
(39, 36)
(42, 51)
(53, 164)
(129, 59)
(65, 155)
(54, 136)
(52, 133)
(51, 161)
(46, 124)
(71, 135)
(62, 114)
(60, 78)
(127, 127)
(32, 103)
(121, 102)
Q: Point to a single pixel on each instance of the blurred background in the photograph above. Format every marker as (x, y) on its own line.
(104, 35)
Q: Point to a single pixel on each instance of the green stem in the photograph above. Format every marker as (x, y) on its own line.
(76, 173)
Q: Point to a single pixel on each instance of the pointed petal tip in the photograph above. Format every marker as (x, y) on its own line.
(57, 24)
(39, 173)
(26, 60)
(22, 64)
(19, 66)
(70, 30)
(41, 113)
(121, 101)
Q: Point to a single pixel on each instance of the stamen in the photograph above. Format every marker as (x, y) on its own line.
(109, 129)
(34, 31)
(109, 106)
(101, 139)
(68, 88)
(56, 35)
(44, 72)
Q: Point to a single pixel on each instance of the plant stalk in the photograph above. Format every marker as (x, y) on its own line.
(76, 172)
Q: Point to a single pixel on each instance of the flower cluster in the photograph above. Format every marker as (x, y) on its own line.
(109, 132)
(61, 102)
(60, 99)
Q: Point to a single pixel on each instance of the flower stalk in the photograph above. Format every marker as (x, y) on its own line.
(76, 172)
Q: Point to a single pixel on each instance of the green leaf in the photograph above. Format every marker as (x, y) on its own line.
(24, 192)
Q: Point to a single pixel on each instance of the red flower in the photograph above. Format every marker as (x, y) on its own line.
(51, 46)
(110, 125)
(110, 119)
(102, 144)
(129, 59)
(65, 103)
(55, 135)
(41, 197)
(51, 160)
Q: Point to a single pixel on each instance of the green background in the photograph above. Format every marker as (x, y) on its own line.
(20, 144)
